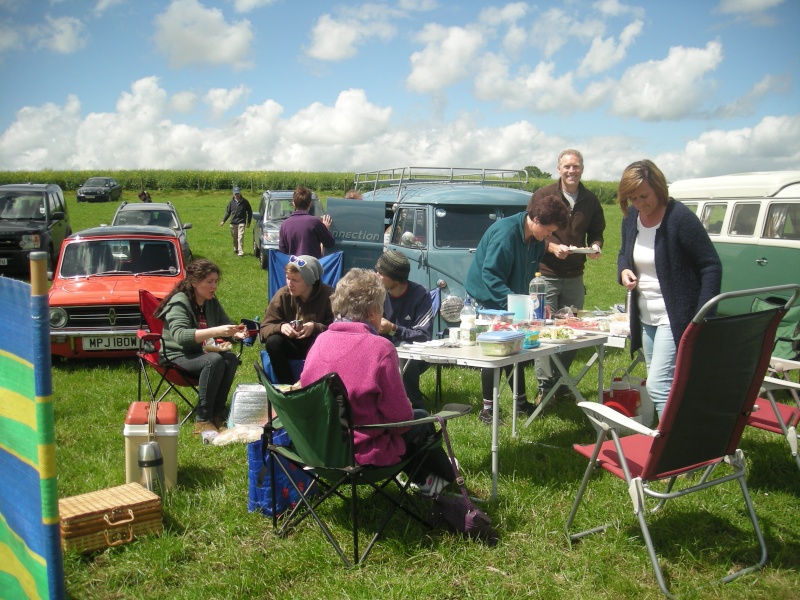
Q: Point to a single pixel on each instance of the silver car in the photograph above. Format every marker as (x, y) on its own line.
(274, 208)
(162, 214)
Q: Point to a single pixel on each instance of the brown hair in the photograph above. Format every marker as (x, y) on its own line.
(301, 198)
(549, 210)
(637, 173)
(196, 272)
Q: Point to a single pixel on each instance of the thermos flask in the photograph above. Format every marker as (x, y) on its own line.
(151, 467)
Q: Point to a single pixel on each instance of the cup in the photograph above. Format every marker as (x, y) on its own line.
(521, 306)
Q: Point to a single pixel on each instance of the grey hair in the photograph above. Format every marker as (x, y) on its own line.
(569, 151)
(358, 294)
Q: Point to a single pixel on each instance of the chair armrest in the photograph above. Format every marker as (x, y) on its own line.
(780, 365)
(608, 418)
(449, 411)
(146, 336)
(773, 383)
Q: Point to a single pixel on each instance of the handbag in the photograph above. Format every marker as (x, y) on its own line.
(458, 512)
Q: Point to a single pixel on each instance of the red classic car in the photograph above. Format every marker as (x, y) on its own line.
(94, 299)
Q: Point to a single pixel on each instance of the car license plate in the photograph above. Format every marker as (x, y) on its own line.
(3, 262)
(111, 342)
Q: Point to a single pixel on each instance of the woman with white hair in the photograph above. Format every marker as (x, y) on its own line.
(368, 365)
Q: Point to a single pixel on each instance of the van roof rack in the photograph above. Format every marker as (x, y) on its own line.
(404, 176)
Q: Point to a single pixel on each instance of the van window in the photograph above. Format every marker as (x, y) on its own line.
(462, 226)
(783, 221)
(411, 228)
(692, 206)
(713, 215)
(744, 218)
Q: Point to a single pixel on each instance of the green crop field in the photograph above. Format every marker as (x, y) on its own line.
(213, 548)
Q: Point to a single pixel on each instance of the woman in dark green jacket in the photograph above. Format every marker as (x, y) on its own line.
(194, 322)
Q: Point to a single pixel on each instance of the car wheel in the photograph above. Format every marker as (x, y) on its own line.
(264, 259)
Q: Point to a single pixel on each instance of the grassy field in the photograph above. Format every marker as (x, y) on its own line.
(213, 548)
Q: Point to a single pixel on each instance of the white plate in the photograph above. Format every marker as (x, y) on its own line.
(575, 250)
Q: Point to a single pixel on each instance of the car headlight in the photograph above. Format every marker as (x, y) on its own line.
(58, 318)
(29, 242)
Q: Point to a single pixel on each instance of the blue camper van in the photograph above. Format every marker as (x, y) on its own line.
(435, 216)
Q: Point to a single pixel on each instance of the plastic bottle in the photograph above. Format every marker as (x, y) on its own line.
(467, 332)
(538, 292)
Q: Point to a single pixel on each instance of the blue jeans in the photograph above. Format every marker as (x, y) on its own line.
(659, 356)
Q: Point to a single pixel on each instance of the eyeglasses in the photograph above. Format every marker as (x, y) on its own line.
(297, 260)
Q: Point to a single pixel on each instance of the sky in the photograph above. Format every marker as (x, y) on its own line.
(701, 87)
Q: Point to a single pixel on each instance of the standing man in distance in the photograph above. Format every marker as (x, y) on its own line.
(240, 213)
(303, 233)
(407, 316)
(562, 269)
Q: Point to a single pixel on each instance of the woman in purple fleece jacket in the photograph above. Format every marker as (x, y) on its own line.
(368, 365)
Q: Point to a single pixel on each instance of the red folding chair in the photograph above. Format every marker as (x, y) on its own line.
(151, 354)
(719, 369)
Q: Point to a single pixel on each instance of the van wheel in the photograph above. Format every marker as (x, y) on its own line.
(264, 259)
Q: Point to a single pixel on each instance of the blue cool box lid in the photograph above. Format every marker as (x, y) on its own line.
(493, 312)
(501, 336)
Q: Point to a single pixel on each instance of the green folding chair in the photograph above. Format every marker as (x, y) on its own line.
(318, 421)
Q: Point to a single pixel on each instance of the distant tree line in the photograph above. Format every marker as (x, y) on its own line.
(334, 184)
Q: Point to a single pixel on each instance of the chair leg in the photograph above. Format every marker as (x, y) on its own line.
(590, 469)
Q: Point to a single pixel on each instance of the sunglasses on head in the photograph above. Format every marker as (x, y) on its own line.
(297, 260)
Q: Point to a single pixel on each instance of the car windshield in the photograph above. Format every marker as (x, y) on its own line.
(111, 257)
(95, 182)
(22, 206)
(162, 218)
(278, 210)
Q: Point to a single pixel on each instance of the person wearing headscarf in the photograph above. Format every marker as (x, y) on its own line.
(296, 315)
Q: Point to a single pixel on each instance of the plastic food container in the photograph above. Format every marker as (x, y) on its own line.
(501, 343)
(493, 315)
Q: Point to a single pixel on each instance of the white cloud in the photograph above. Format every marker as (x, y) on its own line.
(10, 39)
(769, 146)
(337, 38)
(746, 6)
(64, 35)
(555, 28)
(668, 89)
(139, 134)
(538, 90)
(190, 34)
(447, 57)
(103, 5)
(615, 8)
(243, 6)
(221, 100)
(605, 53)
(183, 102)
(510, 13)
(417, 5)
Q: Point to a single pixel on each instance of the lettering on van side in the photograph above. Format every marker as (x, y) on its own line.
(358, 235)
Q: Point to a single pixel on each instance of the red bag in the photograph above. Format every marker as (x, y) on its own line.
(622, 396)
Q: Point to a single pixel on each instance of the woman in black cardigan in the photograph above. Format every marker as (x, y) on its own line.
(669, 264)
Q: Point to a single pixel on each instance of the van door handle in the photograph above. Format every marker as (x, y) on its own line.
(762, 262)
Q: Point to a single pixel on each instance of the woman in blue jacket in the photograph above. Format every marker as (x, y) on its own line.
(669, 264)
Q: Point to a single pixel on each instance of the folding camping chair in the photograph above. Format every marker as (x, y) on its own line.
(318, 421)
(331, 270)
(152, 354)
(720, 366)
(779, 417)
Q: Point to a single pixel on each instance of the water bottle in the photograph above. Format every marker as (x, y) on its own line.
(467, 332)
(538, 292)
(151, 467)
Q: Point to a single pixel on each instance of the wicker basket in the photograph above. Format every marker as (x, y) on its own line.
(109, 517)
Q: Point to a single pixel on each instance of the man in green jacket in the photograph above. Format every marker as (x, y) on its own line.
(506, 259)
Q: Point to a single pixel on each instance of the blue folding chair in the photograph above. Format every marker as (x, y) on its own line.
(331, 270)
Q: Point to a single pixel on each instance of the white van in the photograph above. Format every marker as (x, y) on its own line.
(753, 219)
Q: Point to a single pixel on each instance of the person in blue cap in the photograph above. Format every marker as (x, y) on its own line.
(240, 213)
